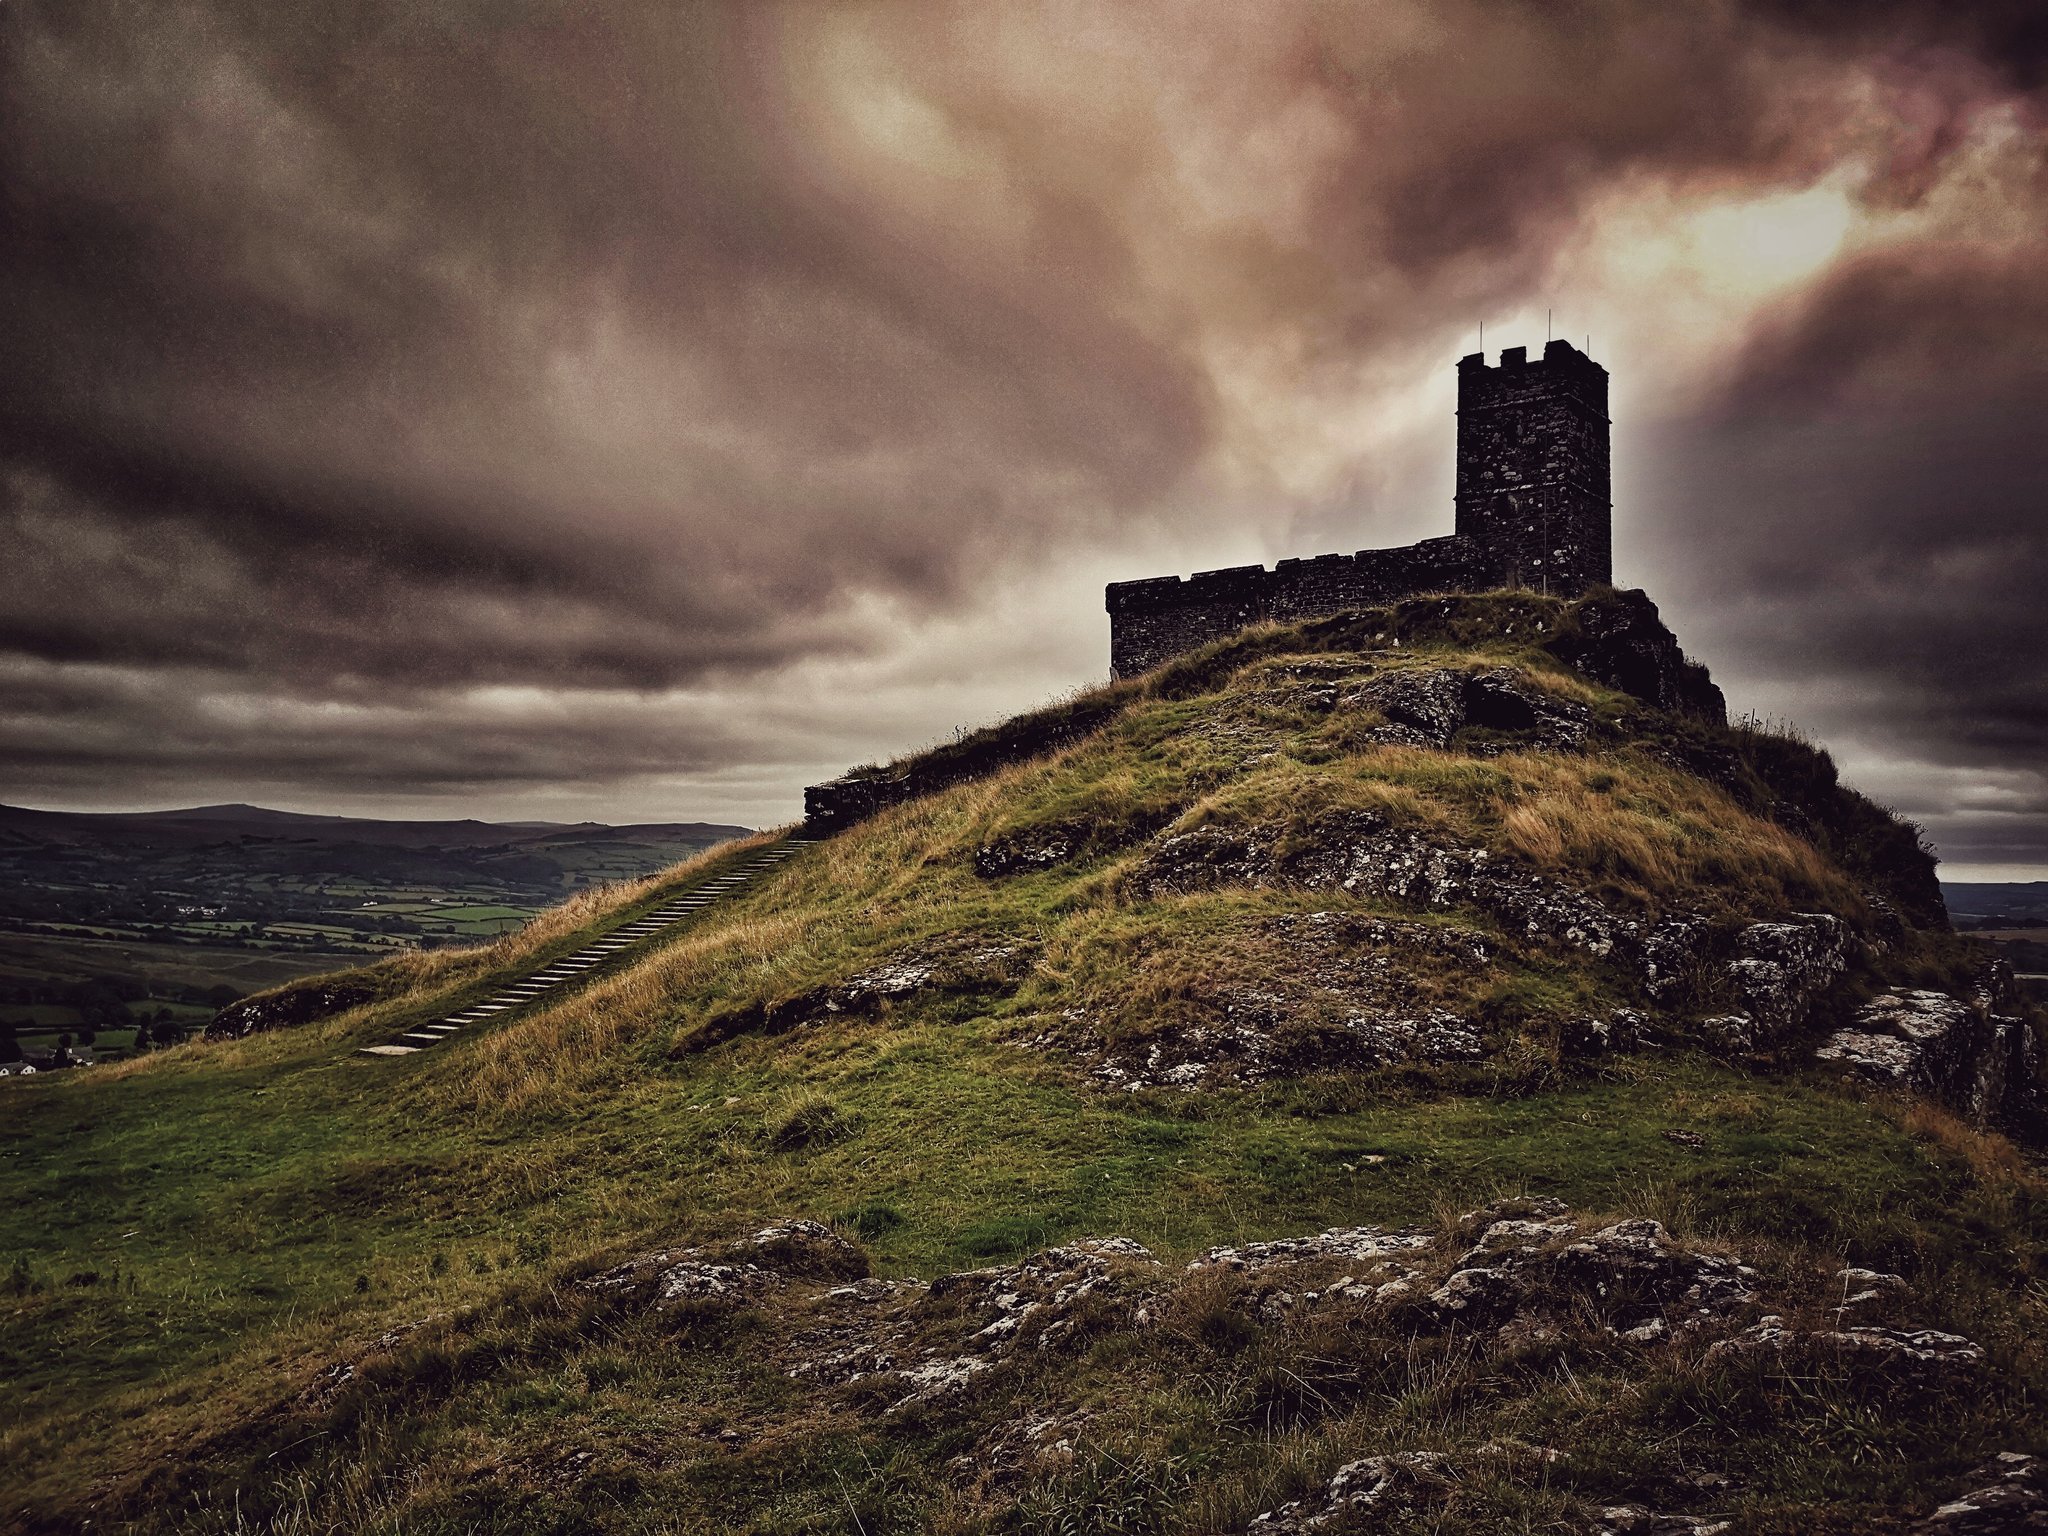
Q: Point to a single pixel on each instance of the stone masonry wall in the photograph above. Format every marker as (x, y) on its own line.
(1155, 620)
(1534, 481)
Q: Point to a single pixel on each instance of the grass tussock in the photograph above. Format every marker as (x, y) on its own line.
(1657, 834)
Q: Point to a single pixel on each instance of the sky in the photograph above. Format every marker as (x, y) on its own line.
(636, 411)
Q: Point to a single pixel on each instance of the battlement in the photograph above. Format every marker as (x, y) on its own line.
(1562, 371)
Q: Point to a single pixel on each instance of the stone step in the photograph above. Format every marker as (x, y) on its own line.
(571, 967)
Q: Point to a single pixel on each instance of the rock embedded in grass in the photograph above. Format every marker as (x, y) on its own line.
(2007, 1496)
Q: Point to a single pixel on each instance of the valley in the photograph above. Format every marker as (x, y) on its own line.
(110, 923)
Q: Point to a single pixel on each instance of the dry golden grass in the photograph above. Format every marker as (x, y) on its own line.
(554, 1051)
(1996, 1162)
(1661, 832)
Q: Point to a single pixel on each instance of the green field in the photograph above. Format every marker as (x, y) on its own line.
(182, 913)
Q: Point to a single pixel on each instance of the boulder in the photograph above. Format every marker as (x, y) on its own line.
(1782, 967)
(1501, 700)
(1927, 1356)
(732, 1274)
(1984, 1064)
(1383, 1486)
(301, 1002)
(2008, 1496)
(1629, 1275)
(1635, 1520)
(1424, 707)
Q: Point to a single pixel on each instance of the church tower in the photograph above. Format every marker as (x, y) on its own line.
(1534, 489)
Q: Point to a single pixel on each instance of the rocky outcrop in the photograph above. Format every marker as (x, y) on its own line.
(1423, 706)
(1984, 1064)
(736, 1272)
(1641, 1286)
(960, 963)
(1353, 997)
(1780, 968)
(1619, 639)
(1919, 1354)
(2007, 1496)
(1635, 1520)
(1428, 706)
(1365, 855)
(1381, 1486)
(302, 1002)
(1007, 1355)
(912, 1345)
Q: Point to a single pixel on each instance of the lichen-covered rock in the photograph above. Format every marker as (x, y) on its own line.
(1428, 706)
(802, 1248)
(1782, 967)
(1368, 857)
(1734, 1033)
(1618, 1029)
(1673, 958)
(1424, 706)
(965, 963)
(302, 1002)
(1863, 1286)
(684, 1277)
(1877, 1057)
(1349, 1245)
(1635, 1520)
(998, 1346)
(1364, 854)
(1379, 1485)
(734, 1273)
(1502, 701)
(1026, 852)
(914, 1345)
(1982, 1063)
(1926, 1354)
(1629, 1274)
(2008, 1496)
(1347, 1001)
(1903, 1037)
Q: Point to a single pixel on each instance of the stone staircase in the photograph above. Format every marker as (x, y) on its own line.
(557, 977)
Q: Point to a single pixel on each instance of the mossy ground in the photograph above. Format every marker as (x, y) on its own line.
(192, 1237)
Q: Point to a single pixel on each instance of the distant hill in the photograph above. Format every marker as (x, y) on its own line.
(1979, 904)
(201, 825)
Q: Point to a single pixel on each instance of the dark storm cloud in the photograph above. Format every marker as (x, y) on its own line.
(1874, 483)
(344, 312)
(401, 396)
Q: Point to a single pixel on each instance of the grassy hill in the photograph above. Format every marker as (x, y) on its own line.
(1427, 922)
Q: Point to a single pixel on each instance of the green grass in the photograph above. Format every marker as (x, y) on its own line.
(191, 1237)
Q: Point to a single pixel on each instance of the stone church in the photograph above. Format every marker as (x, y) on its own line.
(1534, 509)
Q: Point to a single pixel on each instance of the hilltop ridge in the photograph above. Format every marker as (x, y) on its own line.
(1422, 1069)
